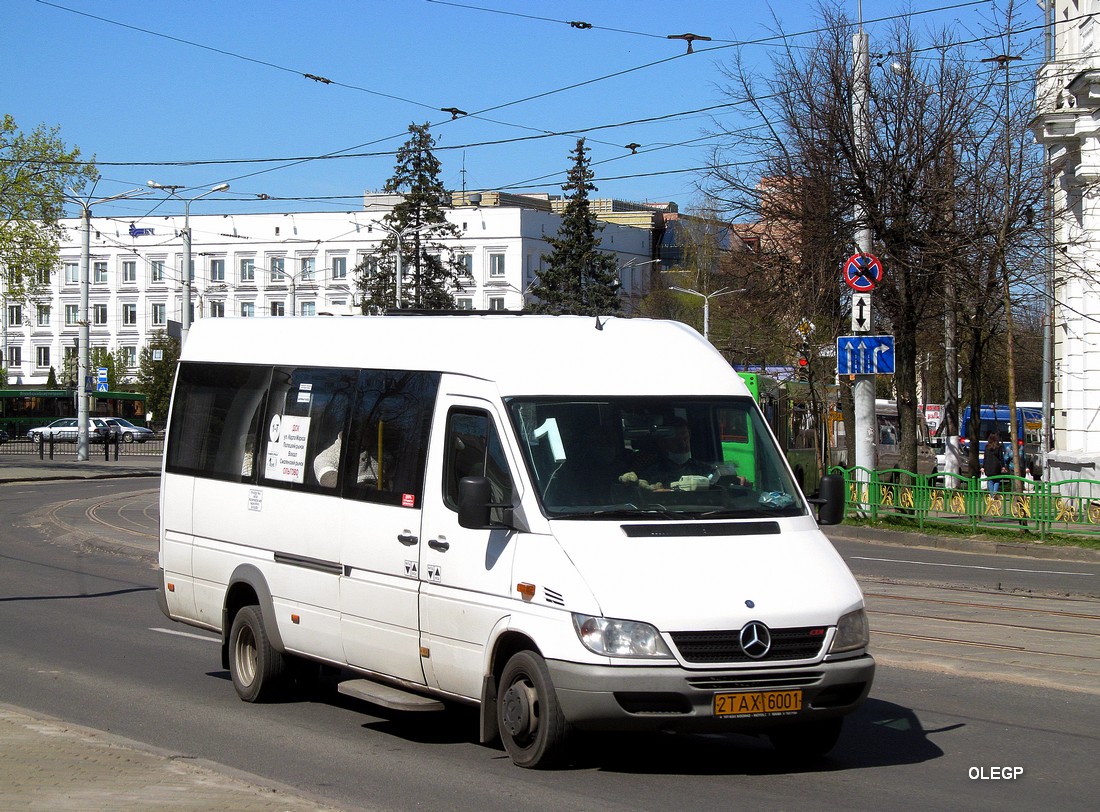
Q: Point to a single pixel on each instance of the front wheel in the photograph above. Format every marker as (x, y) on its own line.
(529, 717)
(128, 437)
(254, 664)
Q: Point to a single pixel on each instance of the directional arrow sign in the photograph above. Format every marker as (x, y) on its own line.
(861, 312)
(865, 355)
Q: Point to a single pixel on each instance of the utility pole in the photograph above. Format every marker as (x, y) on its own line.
(863, 389)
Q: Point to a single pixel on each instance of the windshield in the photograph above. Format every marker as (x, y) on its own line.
(653, 457)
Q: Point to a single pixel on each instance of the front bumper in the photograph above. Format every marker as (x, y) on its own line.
(675, 699)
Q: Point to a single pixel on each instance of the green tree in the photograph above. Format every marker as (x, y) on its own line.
(156, 377)
(578, 277)
(51, 379)
(115, 362)
(429, 271)
(35, 170)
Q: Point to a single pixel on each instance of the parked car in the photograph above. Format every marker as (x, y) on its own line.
(128, 432)
(65, 430)
(3, 437)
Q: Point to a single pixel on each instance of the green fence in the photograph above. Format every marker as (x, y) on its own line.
(977, 503)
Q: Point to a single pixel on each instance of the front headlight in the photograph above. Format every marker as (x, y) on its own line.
(619, 638)
(852, 632)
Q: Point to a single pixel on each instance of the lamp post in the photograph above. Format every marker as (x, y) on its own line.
(399, 233)
(185, 318)
(706, 303)
(82, 340)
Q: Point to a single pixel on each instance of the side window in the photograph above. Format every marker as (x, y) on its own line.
(306, 423)
(215, 419)
(474, 449)
(388, 436)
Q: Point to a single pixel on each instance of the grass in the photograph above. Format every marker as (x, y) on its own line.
(1086, 542)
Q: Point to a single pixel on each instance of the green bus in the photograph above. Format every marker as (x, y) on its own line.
(789, 411)
(24, 409)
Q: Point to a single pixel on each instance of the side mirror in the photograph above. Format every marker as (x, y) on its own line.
(474, 496)
(831, 500)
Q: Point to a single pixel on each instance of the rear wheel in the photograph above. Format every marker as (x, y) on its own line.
(128, 437)
(529, 717)
(807, 741)
(254, 664)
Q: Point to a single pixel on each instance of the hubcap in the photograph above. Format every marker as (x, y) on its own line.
(519, 720)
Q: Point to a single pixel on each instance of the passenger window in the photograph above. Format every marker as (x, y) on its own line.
(306, 423)
(388, 436)
(474, 449)
(215, 420)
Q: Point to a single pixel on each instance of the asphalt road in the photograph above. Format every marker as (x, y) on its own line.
(84, 641)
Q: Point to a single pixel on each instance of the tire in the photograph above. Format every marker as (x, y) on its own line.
(128, 437)
(529, 717)
(256, 667)
(808, 741)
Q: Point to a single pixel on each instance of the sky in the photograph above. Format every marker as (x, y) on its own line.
(200, 93)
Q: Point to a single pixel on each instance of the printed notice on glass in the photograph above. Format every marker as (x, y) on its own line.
(286, 448)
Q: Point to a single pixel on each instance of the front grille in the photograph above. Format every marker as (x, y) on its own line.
(756, 683)
(725, 647)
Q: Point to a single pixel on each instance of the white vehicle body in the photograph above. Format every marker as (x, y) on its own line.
(324, 471)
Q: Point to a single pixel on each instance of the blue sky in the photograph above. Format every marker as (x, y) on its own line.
(152, 83)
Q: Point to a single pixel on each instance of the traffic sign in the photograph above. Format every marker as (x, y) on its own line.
(865, 355)
(101, 386)
(861, 312)
(862, 272)
(101, 375)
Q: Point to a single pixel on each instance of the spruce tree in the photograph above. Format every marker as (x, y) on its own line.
(427, 275)
(577, 277)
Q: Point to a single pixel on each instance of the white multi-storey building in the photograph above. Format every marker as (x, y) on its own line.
(273, 265)
(1068, 127)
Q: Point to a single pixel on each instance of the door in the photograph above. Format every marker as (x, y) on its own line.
(466, 575)
(383, 475)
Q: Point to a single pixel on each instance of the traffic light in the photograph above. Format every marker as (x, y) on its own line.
(803, 370)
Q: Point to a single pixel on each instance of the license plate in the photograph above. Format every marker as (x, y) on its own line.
(757, 703)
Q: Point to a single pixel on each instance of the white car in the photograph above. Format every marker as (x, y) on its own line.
(128, 432)
(65, 430)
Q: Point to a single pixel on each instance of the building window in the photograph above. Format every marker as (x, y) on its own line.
(278, 269)
(15, 315)
(278, 309)
(15, 357)
(156, 271)
(160, 314)
(42, 357)
(129, 315)
(129, 271)
(72, 273)
(217, 310)
(465, 303)
(339, 267)
(131, 356)
(496, 302)
(248, 271)
(496, 266)
(466, 266)
(99, 315)
(309, 309)
(248, 310)
(217, 270)
(43, 315)
(191, 276)
(72, 314)
(43, 276)
(308, 269)
(99, 272)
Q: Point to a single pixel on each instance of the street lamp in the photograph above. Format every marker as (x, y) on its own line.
(399, 233)
(82, 340)
(185, 320)
(706, 303)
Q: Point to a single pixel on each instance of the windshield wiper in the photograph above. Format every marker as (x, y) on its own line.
(622, 513)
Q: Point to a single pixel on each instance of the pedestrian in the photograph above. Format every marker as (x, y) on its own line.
(993, 461)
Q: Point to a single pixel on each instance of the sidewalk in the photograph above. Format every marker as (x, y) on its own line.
(23, 467)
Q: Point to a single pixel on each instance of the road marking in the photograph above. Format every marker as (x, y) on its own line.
(186, 634)
(971, 566)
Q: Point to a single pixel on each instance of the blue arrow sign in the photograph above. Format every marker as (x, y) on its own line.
(865, 355)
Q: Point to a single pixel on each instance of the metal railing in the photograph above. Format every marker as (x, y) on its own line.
(113, 449)
(976, 503)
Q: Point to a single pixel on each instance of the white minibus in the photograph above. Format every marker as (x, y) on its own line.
(571, 523)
